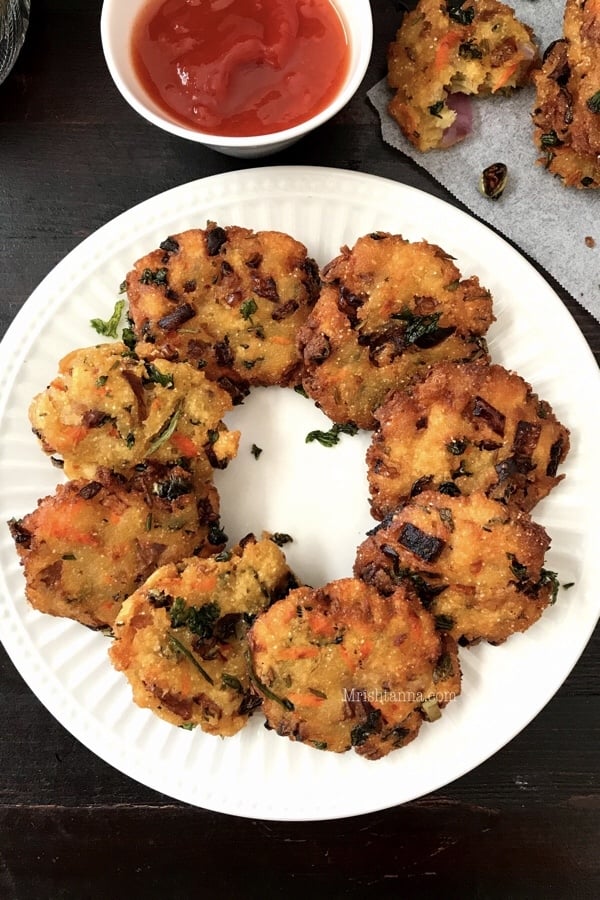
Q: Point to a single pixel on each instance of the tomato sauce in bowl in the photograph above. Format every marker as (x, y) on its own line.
(240, 67)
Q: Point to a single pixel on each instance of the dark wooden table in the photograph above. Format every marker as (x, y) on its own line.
(524, 824)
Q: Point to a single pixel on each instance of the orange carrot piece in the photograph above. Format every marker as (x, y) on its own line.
(447, 43)
(505, 75)
(184, 444)
(205, 582)
(302, 699)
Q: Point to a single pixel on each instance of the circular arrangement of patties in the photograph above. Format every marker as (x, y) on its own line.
(388, 337)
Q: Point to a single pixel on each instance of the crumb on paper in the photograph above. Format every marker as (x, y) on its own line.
(589, 241)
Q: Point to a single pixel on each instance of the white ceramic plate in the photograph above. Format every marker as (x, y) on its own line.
(316, 494)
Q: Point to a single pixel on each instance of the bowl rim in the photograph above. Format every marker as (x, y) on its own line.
(363, 37)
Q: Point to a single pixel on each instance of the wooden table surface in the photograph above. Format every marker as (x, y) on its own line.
(526, 823)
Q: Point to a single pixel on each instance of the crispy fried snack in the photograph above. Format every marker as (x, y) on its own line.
(567, 111)
(476, 566)
(445, 50)
(465, 428)
(92, 543)
(228, 300)
(343, 666)
(389, 310)
(181, 637)
(107, 408)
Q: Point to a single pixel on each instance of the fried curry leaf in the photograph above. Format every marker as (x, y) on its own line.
(332, 437)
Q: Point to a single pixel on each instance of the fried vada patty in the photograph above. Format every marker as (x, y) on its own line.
(445, 50)
(465, 428)
(476, 565)
(567, 109)
(181, 637)
(92, 543)
(343, 666)
(109, 408)
(228, 300)
(388, 310)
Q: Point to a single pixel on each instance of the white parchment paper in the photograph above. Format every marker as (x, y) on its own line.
(546, 220)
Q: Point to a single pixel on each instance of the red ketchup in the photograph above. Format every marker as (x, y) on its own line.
(240, 67)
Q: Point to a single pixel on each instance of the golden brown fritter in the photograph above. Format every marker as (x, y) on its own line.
(229, 300)
(108, 408)
(465, 428)
(567, 110)
(92, 543)
(389, 310)
(343, 666)
(476, 565)
(181, 637)
(445, 50)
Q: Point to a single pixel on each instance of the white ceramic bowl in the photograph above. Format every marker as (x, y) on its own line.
(116, 25)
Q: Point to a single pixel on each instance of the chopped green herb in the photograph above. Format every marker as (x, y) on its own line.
(417, 327)
(547, 577)
(593, 102)
(268, 693)
(316, 693)
(166, 431)
(181, 648)
(436, 108)
(109, 327)
(372, 725)
(456, 447)
(159, 276)
(567, 585)
(149, 522)
(157, 377)
(187, 726)
(469, 50)
(459, 15)
(332, 437)
(123, 287)
(230, 681)
(319, 745)
(300, 390)
(550, 139)
(200, 620)
(444, 623)
(101, 381)
(248, 308)
(216, 535)
(280, 538)
(213, 435)
(518, 569)
(223, 556)
(255, 451)
(128, 337)
(69, 556)
(130, 440)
